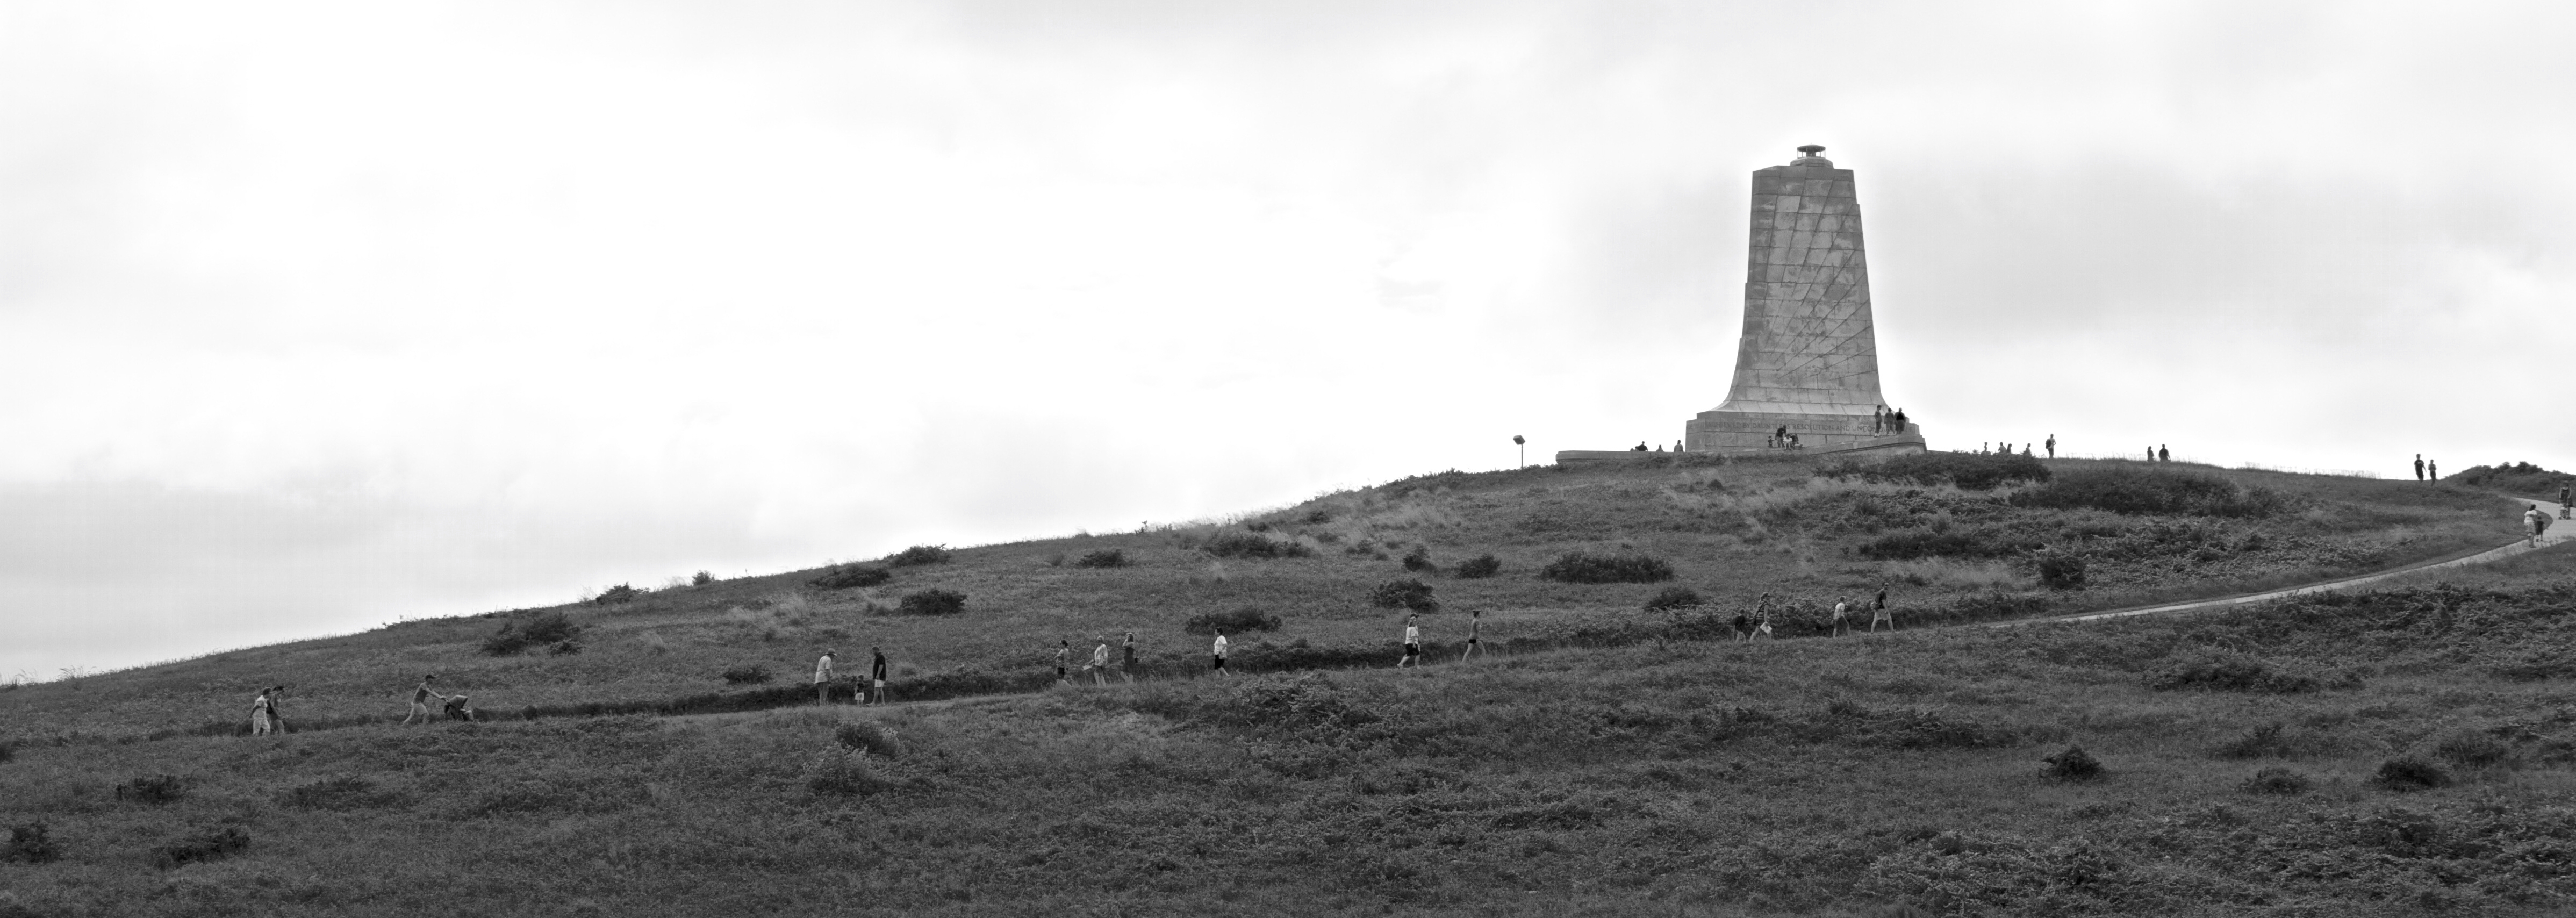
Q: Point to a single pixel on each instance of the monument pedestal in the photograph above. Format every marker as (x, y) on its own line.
(1724, 431)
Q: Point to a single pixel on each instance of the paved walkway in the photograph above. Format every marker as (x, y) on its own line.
(2560, 531)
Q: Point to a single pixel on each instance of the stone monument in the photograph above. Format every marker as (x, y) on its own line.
(1808, 360)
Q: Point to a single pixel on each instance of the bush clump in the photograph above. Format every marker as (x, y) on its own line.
(747, 674)
(1250, 545)
(1419, 560)
(1248, 618)
(1407, 593)
(542, 629)
(1578, 567)
(30, 845)
(868, 737)
(919, 555)
(1966, 471)
(2407, 773)
(616, 594)
(1107, 557)
(203, 846)
(2059, 571)
(847, 576)
(843, 773)
(2227, 671)
(932, 601)
(701, 578)
(1477, 568)
(153, 789)
(2276, 780)
(8, 750)
(2511, 478)
(2072, 764)
(2153, 491)
(2471, 750)
(1675, 598)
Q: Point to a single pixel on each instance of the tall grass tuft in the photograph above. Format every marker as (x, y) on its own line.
(202, 846)
(1675, 598)
(542, 629)
(2072, 764)
(1579, 567)
(620, 593)
(2276, 780)
(152, 789)
(868, 737)
(843, 773)
(1966, 471)
(2154, 491)
(932, 601)
(1248, 618)
(2407, 773)
(919, 555)
(848, 576)
(1107, 557)
(1250, 545)
(1477, 568)
(747, 674)
(1407, 593)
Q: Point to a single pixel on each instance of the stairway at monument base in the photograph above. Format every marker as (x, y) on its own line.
(1751, 432)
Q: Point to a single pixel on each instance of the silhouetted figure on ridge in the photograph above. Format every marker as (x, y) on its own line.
(2052, 446)
(2163, 454)
(2419, 466)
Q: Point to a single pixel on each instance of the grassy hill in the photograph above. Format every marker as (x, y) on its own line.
(1609, 759)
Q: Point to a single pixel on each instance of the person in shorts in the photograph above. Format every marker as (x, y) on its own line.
(1127, 658)
(1878, 612)
(1219, 651)
(877, 673)
(1475, 629)
(1099, 668)
(2533, 522)
(1063, 655)
(823, 677)
(2566, 503)
(1412, 642)
(420, 696)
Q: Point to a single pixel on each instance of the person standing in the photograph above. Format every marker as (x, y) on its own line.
(2163, 454)
(2532, 522)
(277, 709)
(1475, 631)
(1842, 626)
(1219, 651)
(2052, 446)
(1878, 612)
(1743, 627)
(2151, 454)
(420, 696)
(1127, 661)
(877, 673)
(2419, 466)
(1063, 655)
(259, 713)
(1412, 642)
(823, 677)
(2432, 471)
(1761, 618)
(1099, 663)
(2566, 506)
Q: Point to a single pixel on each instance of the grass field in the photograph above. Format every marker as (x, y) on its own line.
(1655, 775)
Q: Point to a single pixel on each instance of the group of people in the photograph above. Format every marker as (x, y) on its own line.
(2426, 470)
(2535, 522)
(1758, 622)
(825, 679)
(1885, 421)
(2159, 454)
(1098, 668)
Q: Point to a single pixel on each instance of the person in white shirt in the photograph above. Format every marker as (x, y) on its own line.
(259, 714)
(1099, 663)
(1842, 624)
(1219, 651)
(823, 678)
(1412, 642)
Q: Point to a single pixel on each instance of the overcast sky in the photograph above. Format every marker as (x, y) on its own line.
(318, 316)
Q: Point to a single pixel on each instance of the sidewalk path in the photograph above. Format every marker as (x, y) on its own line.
(2560, 531)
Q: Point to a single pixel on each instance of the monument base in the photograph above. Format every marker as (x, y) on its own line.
(1756, 431)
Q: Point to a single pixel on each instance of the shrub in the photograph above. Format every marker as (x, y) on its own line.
(203, 846)
(1407, 593)
(1577, 567)
(868, 737)
(2407, 773)
(1248, 618)
(2072, 764)
(2061, 571)
(1675, 598)
(919, 555)
(847, 576)
(2145, 491)
(1419, 560)
(616, 594)
(29, 844)
(2471, 750)
(843, 773)
(2256, 743)
(747, 674)
(152, 789)
(701, 578)
(1967, 471)
(1249, 545)
(932, 602)
(2276, 780)
(1478, 567)
(2511, 478)
(2230, 672)
(8, 750)
(1107, 557)
(543, 628)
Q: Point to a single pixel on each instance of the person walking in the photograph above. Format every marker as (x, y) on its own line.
(1219, 651)
(420, 696)
(1127, 659)
(1099, 667)
(2052, 446)
(1475, 631)
(877, 673)
(823, 677)
(1743, 627)
(2432, 471)
(1063, 655)
(2419, 466)
(1842, 626)
(1878, 612)
(1412, 642)
(2566, 506)
(1761, 617)
(259, 713)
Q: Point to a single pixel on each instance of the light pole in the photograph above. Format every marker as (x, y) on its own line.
(1517, 441)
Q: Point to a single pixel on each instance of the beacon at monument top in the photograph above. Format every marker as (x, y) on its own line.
(1807, 364)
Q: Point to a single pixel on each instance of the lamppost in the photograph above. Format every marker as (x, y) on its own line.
(1517, 441)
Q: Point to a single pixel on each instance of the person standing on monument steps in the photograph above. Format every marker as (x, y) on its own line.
(2419, 466)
